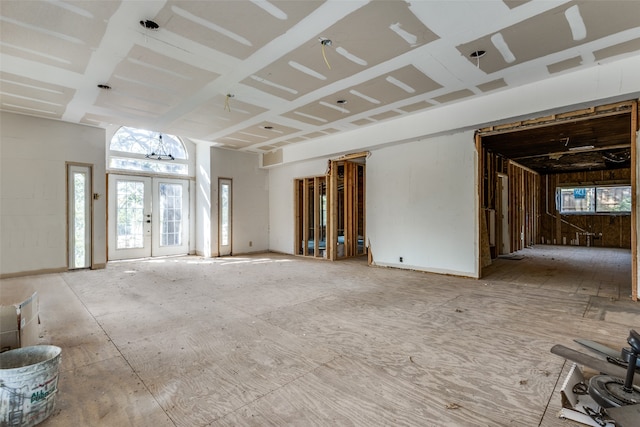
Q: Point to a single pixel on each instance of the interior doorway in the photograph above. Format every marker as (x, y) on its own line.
(330, 212)
(575, 154)
(347, 228)
(149, 216)
(79, 225)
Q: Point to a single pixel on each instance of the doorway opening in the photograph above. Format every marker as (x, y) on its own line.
(330, 212)
(149, 216)
(531, 170)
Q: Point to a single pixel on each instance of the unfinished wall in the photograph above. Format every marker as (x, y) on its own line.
(250, 200)
(33, 211)
(611, 231)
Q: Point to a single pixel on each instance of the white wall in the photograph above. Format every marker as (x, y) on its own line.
(250, 200)
(33, 221)
(418, 205)
(421, 205)
(203, 200)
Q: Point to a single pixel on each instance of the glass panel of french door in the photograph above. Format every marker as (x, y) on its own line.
(170, 225)
(224, 217)
(129, 217)
(79, 216)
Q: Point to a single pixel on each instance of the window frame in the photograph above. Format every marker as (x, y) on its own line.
(596, 210)
(147, 166)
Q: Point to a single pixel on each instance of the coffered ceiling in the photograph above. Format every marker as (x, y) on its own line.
(258, 75)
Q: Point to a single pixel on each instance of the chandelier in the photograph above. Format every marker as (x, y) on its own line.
(160, 153)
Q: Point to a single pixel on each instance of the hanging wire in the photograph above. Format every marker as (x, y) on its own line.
(323, 43)
(227, 105)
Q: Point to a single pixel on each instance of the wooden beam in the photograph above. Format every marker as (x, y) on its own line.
(574, 116)
(297, 215)
(635, 172)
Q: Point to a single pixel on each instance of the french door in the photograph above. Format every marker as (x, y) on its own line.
(147, 217)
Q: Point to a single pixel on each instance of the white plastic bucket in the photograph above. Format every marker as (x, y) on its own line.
(28, 384)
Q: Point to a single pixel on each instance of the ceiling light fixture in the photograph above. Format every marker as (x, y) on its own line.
(477, 54)
(341, 101)
(161, 152)
(149, 25)
(325, 42)
(581, 148)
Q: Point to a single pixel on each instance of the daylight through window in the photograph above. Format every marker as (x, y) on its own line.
(129, 146)
(594, 200)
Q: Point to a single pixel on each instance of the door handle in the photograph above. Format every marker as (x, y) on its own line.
(148, 220)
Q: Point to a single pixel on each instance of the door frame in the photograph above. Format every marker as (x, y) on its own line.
(225, 250)
(634, 125)
(503, 231)
(112, 219)
(151, 246)
(156, 248)
(88, 204)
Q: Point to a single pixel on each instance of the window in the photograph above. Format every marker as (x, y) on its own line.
(129, 147)
(594, 200)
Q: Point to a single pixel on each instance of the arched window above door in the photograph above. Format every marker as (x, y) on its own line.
(137, 150)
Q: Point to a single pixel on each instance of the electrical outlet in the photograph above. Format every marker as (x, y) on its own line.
(401, 259)
(250, 243)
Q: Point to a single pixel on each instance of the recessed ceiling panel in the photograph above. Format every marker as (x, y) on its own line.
(385, 115)
(214, 116)
(400, 84)
(572, 24)
(147, 79)
(492, 85)
(237, 28)
(260, 133)
(567, 64)
(515, 3)
(417, 106)
(454, 96)
(60, 34)
(26, 96)
(373, 34)
(618, 49)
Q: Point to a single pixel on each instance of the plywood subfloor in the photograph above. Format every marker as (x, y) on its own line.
(276, 340)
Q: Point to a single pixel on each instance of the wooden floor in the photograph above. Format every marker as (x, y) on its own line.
(271, 340)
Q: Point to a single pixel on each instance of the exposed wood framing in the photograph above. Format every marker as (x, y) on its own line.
(297, 236)
(524, 189)
(635, 172)
(316, 216)
(332, 197)
(305, 216)
(584, 114)
(481, 238)
(352, 156)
